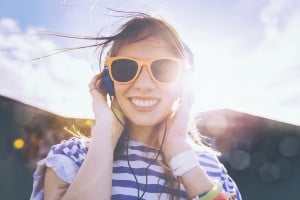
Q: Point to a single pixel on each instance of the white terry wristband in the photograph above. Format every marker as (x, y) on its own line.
(184, 162)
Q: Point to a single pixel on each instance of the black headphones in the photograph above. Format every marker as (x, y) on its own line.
(107, 83)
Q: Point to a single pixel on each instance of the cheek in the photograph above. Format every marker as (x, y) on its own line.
(172, 92)
(170, 96)
(120, 91)
(169, 99)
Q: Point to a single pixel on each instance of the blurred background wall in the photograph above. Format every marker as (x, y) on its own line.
(26, 135)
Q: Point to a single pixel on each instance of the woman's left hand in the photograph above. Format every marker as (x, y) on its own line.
(177, 124)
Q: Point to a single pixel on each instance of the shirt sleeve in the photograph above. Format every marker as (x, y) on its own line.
(216, 171)
(65, 159)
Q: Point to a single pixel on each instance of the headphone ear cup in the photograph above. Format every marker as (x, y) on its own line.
(108, 84)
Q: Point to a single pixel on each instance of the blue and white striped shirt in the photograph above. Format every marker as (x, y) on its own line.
(67, 157)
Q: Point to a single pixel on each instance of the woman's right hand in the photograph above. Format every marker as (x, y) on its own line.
(104, 116)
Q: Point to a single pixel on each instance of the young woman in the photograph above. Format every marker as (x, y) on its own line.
(142, 145)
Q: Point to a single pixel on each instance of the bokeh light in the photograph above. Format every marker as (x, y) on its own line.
(18, 143)
(88, 122)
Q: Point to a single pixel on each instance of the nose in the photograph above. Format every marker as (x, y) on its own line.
(144, 80)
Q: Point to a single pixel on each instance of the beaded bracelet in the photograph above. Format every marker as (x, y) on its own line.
(216, 194)
(212, 194)
(223, 196)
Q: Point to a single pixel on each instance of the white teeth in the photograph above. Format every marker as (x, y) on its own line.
(144, 103)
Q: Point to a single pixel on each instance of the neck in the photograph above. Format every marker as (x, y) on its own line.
(142, 133)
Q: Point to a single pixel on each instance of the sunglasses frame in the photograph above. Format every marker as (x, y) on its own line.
(141, 63)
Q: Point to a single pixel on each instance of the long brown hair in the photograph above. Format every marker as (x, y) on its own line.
(136, 29)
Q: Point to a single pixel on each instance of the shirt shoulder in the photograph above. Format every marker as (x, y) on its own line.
(65, 159)
(73, 148)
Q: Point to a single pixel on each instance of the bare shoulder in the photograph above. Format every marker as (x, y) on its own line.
(54, 187)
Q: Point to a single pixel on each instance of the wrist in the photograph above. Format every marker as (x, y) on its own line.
(103, 134)
(184, 162)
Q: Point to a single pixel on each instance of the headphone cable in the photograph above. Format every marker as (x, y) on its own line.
(159, 152)
(137, 183)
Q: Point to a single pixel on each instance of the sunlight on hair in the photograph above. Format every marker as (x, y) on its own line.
(75, 132)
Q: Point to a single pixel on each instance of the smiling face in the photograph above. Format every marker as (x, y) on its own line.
(143, 101)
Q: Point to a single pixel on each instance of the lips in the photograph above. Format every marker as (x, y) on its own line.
(144, 103)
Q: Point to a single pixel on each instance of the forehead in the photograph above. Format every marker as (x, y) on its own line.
(148, 48)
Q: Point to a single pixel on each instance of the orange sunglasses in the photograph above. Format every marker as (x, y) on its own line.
(124, 70)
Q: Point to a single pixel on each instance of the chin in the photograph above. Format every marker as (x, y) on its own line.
(146, 120)
(142, 122)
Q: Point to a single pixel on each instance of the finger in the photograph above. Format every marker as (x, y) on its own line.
(96, 88)
(94, 79)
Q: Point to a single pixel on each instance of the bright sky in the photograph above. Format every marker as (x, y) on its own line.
(245, 52)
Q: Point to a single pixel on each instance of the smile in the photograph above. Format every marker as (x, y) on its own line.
(144, 102)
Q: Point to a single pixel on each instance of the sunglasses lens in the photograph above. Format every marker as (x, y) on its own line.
(165, 70)
(123, 70)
